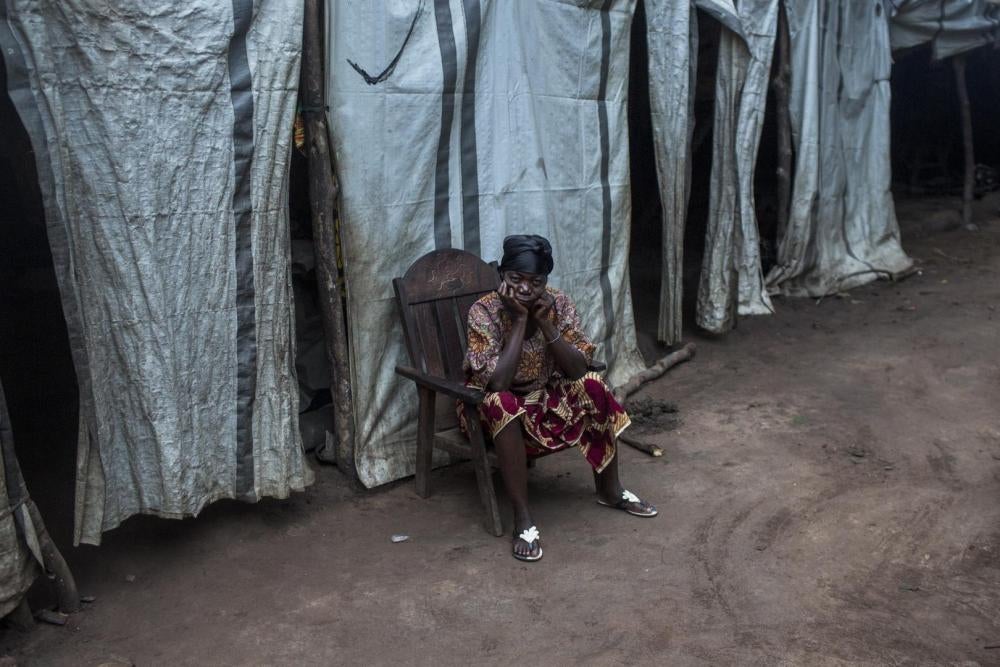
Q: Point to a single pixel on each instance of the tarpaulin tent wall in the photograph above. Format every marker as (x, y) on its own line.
(509, 117)
(951, 26)
(672, 44)
(842, 230)
(162, 139)
(499, 117)
(161, 132)
(732, 282)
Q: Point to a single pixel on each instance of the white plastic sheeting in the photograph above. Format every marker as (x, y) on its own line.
(162, 133)
(672, 42)
(498, 117)
(672, 46)
(732, 281)
(952, 26)
(842, 229)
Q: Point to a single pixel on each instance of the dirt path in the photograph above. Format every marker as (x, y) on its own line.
(831, 497)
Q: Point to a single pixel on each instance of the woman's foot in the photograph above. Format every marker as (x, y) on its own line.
(526, 545)
(628, 502)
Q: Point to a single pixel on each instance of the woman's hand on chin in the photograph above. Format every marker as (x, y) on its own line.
(541, 313)
(517, 310)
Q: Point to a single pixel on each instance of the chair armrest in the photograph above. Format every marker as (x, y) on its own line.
(597, 366)
(449, 387)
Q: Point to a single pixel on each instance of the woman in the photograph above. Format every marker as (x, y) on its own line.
(528, 353)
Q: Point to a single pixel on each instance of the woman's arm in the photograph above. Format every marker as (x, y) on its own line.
(510, 356)
(570, 360)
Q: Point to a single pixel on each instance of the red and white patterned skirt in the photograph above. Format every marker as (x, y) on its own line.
(564, 413)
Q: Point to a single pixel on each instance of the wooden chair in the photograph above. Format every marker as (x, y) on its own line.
(434, 297)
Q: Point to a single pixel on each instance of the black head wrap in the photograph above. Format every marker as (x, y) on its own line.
(527, 253)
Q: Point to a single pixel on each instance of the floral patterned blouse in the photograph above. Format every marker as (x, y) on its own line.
(489, 328)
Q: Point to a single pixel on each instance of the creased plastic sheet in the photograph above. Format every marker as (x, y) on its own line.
(672, 42)
(162, 135)
(18, 564)
(498, 118)
(723, 11)
(732, 281)
(842, 229)
(953, 26)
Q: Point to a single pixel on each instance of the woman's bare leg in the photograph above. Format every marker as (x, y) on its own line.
(607, 483)
(509, 444)
(610, 490)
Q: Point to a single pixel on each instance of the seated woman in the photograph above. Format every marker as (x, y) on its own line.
(528, 353)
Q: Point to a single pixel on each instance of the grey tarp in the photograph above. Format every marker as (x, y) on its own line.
(842, 229)
(952, 26)
(672, 43)
(672, 40)
(20, 554)
(731, 278)
(162, 131)
(499, 117)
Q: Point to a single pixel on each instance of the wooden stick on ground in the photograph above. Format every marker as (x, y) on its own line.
(656, 370)
(641, 445)
(323, 202)
(958, 63)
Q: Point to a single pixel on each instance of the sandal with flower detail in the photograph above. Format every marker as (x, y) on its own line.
(529, 535)
(632, 504)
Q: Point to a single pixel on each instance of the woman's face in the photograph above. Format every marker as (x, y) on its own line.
(527, 286)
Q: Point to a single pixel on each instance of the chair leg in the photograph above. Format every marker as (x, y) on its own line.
(484, 476)
(425, 442)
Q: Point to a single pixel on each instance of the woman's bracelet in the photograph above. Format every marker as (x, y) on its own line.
(557, 337)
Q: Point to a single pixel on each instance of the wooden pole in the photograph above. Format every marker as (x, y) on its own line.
(782, 85)
(323, 202)
(958, 63)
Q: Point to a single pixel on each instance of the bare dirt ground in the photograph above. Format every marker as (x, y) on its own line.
(830, 497)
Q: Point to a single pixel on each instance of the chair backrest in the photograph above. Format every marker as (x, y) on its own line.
(434, 297)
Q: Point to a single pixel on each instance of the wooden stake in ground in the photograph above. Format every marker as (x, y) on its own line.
(958, 63)
(782, 85)
(323, 203)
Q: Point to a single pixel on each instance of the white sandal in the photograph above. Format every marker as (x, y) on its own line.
(530, 535)
(629, 498)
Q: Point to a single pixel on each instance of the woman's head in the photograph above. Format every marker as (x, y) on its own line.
(526, 265)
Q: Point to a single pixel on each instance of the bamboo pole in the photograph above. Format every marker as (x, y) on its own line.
(323, 203)
(958, 64)
(782, 85)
